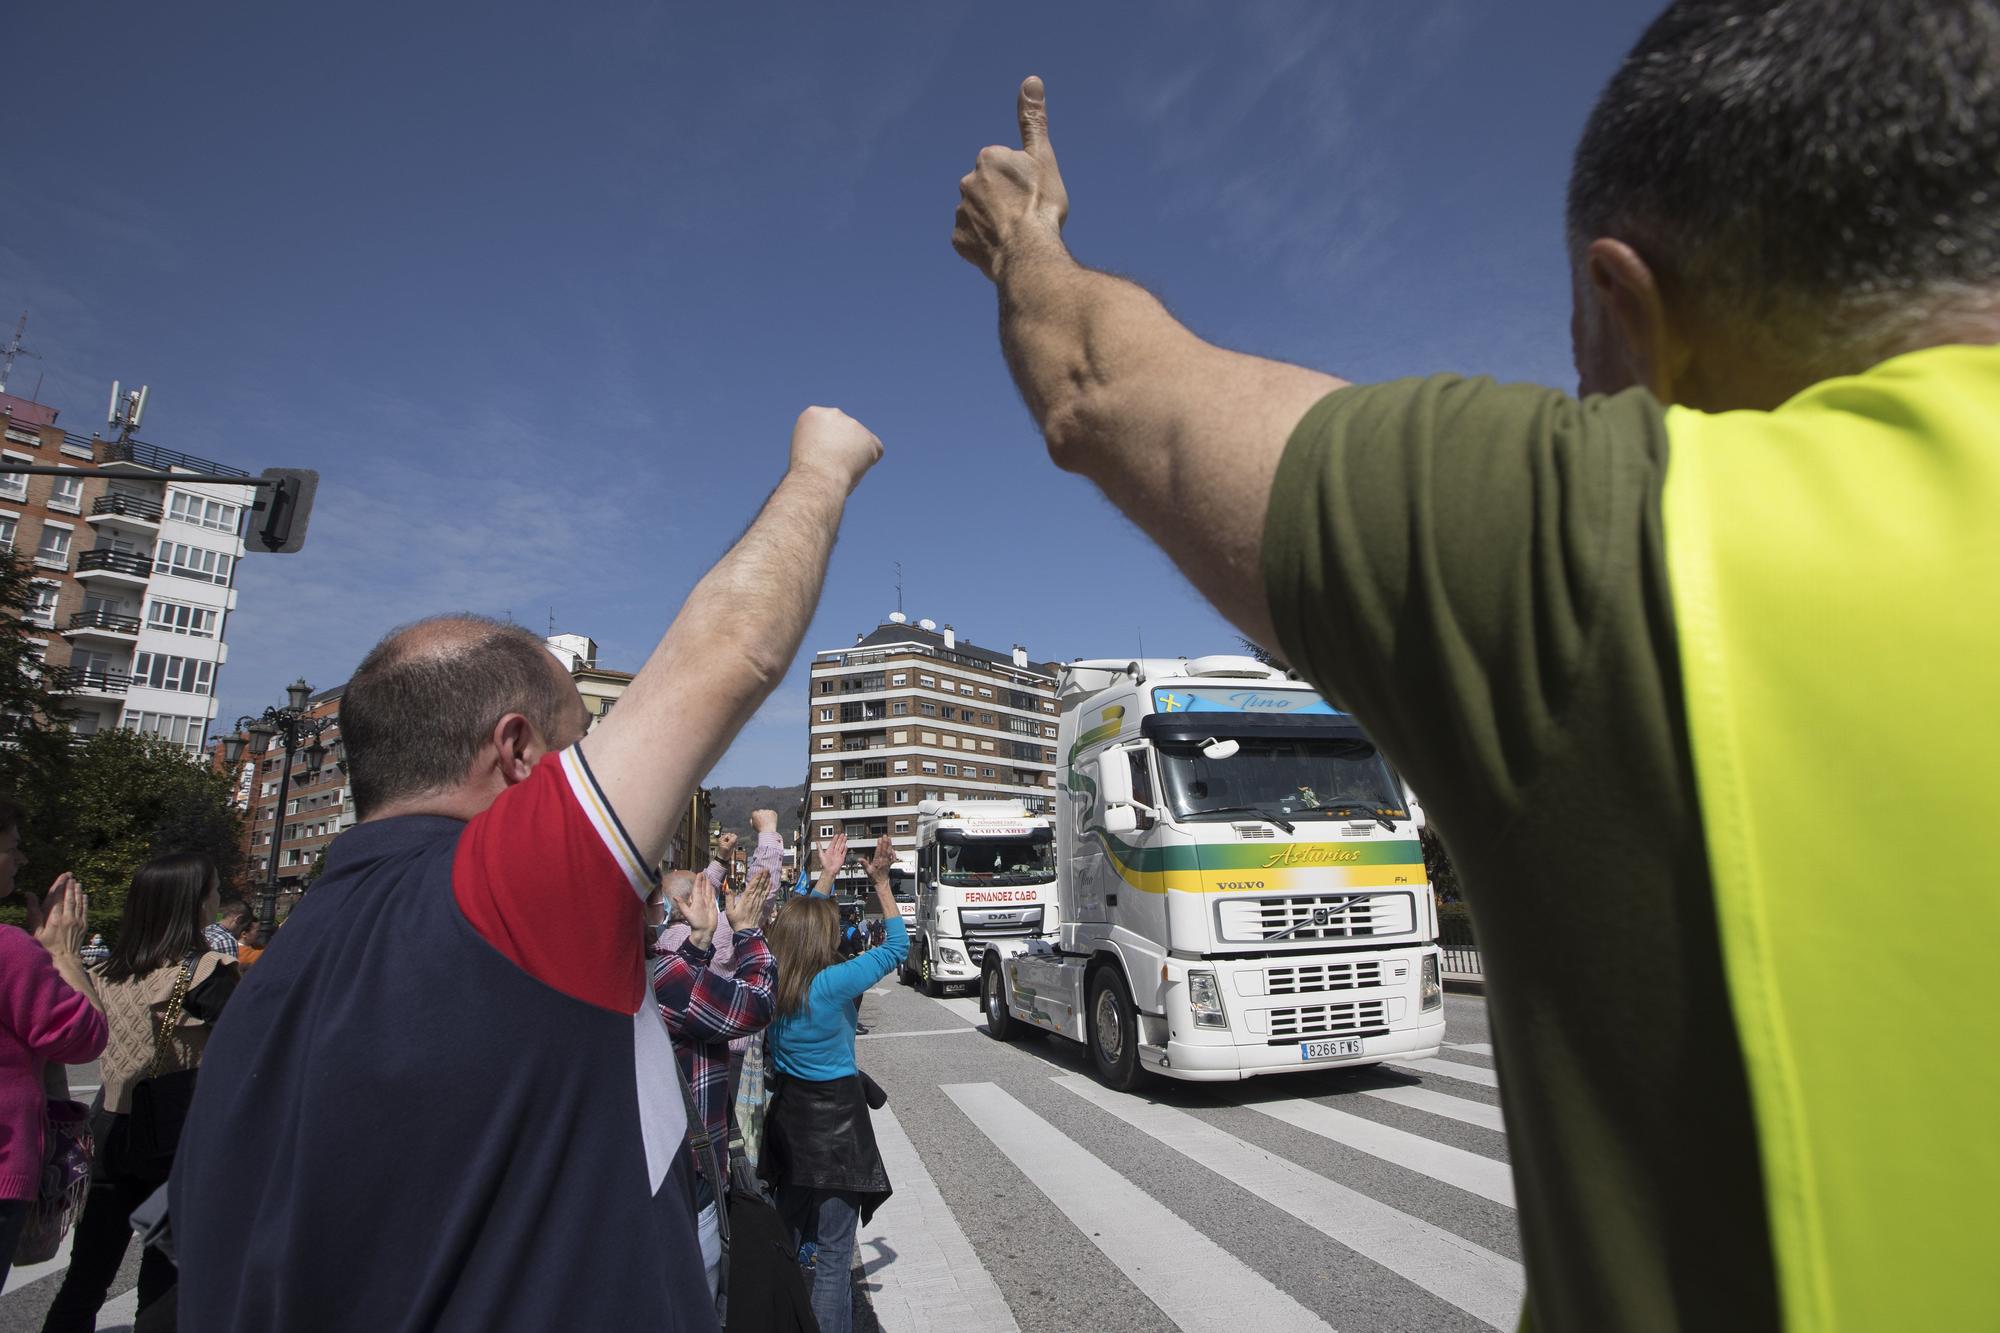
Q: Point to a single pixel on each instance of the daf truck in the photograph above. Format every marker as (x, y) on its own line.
(986, 875)
(1241, 888)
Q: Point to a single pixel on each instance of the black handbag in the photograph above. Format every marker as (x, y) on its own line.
(160, 1102)
(762, 1286)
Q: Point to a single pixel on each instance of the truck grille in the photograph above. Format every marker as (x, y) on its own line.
(1321, 976)
(1328, 1020)
(1347, 918)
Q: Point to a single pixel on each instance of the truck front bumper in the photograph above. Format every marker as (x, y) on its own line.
(1229, 1064)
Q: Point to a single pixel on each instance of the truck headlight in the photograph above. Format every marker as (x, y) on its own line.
(1205, 999)
(1433, 993)
(947, 954)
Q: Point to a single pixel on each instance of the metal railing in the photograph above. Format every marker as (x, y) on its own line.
(151, 455)
(70, 681)
(128, 506)
(117, 562)
(110, 620)
(1461, 950)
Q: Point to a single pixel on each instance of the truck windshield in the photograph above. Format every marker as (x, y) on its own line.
(1330, 777)
(963, 861)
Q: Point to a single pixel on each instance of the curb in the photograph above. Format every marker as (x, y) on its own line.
(1467, 983)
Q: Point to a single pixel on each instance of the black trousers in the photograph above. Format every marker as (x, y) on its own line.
(102, 1234)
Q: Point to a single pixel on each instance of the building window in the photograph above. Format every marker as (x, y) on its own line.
(54, 548)
(928, 709)
(986, 746)
(928, 682)
(826, 771)
(901, 708)
(826, 830)
(67, 494)
(14, 485)
(42, 604)
(902, 797)
(950, 713)
(201, 511)
(181, 618)
(826, 742)
(985, 772)
(927, 737)
(900, 678)
(900, 737)
(194, 562)
(929, 765)
(902, 766)
(162, 672)
(186, 732)
(7, 525)
(985, 693)
(951, 770)
(951, 742)
(902, 826)
(826, 802)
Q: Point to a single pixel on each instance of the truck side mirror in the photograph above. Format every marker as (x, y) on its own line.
(1114, 779)
(1120, 819)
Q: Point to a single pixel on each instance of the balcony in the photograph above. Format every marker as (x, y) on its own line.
(103, 625)
(133, 509)
(91, 682)
(141, 454)
(105, 563)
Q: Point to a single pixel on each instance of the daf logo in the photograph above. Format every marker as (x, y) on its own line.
(1003, 916)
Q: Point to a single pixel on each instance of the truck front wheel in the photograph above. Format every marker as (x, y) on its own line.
(1000, 1020)
(931, 985)
(1113, 1031)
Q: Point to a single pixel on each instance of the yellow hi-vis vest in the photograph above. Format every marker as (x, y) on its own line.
(1836, 581)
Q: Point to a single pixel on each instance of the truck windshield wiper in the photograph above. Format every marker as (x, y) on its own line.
(1374, 811)
(1269, 817)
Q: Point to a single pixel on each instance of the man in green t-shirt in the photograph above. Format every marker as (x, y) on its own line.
(1690, 668)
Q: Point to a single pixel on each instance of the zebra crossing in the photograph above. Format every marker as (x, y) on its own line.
(1171, 1202)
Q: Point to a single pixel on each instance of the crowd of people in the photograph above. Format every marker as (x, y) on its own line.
(1649, 651)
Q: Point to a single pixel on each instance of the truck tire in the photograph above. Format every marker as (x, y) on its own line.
(1000, 1021)
(1112, 1031)
(931, 985)
(903, 972)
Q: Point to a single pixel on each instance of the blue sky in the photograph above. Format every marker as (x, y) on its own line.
(539, 290)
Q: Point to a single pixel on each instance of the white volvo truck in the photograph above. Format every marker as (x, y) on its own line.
(986, 875)
(1241, 887)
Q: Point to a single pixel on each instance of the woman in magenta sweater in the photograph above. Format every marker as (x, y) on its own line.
(48, 1012)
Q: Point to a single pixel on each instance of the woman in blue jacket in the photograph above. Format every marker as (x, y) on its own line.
(819, 1147)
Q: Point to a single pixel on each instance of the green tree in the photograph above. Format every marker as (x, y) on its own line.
(125, 798)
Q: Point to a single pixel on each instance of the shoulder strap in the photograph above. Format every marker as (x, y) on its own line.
(175, 1003)
(704, 1146)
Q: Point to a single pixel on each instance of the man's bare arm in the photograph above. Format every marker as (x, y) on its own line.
(734, 638)
(1183, 436)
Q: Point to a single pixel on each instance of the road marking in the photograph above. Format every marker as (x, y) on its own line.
(1438, 1103)
(965, 1007)
(1485, 1078)
(1472, 1047)
(1197, 1284)
(919, 1269)
(927, 1032)
(1440, 1161)
(1485, 1285)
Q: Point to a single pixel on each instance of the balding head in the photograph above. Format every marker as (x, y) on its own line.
(428, 703)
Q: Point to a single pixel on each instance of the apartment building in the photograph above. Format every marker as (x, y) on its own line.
(912, 712)
(318, 807)
(135, 577)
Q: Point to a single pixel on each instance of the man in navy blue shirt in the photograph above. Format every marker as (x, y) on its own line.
(444, 1099)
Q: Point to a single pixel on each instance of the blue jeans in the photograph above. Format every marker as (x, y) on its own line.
(826, 1220)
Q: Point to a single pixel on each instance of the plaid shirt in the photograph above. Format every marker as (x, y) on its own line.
(219, 940)
(705, 1008)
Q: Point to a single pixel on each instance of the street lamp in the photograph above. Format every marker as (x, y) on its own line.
(293, 725)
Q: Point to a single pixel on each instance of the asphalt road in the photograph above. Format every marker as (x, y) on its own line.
(1183, 1206)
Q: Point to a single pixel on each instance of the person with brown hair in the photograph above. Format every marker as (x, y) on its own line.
(163, 988)
(819, 1147)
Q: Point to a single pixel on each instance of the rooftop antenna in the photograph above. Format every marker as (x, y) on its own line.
(899, 584)
(552, 622)
(15, 349)
(126, 410)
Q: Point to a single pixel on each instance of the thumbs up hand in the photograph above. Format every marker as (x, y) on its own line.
(1013, 199)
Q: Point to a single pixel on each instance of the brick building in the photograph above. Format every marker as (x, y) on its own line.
(316, 810)
(135, 577)
(912, 712)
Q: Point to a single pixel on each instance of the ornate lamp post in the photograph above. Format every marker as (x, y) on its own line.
(292, 725)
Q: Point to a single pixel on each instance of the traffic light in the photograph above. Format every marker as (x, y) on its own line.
(285, 507)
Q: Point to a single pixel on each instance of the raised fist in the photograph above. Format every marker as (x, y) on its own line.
(764, 821)
(831, 443)
(1012, 197)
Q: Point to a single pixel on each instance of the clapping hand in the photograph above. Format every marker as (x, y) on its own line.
(746, 908)
(697, 904)
(832, 856)
(881, 859)
(59, 918)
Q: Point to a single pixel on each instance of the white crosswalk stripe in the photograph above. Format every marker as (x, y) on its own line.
(1470, 1047)
(1439, 1103)
(1196, 1283)
(1476, 1280)
(921, 1271)
(1485, 1078)
(1440, 1161)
